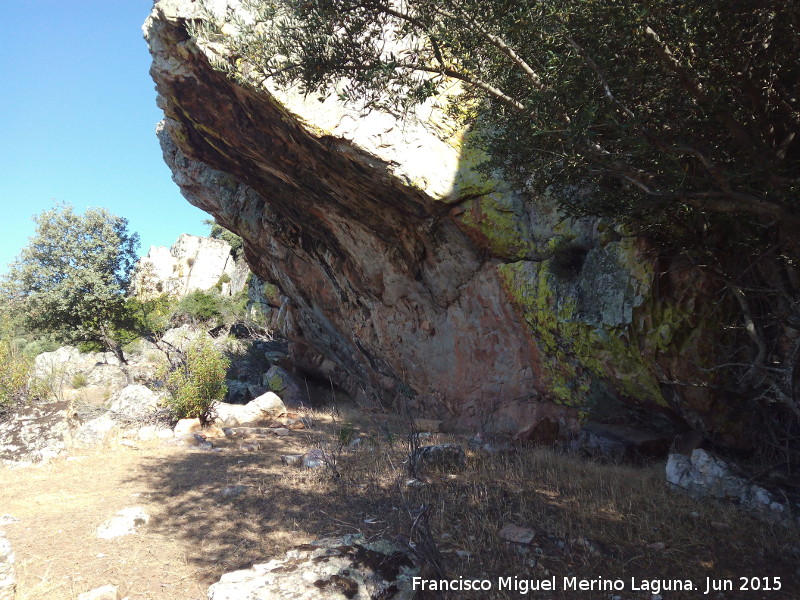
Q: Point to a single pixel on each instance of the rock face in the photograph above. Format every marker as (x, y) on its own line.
(406, 273)
(192, 263)
(8, 585)
(343, 567)
(35, 434)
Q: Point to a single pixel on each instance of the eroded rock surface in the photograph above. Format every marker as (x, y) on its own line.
(191, 263)
(35, 433)
(402, 271)
(705, 474)
(332, 568)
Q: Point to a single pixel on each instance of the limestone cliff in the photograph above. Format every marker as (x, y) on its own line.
(409, 274)
(191, 263)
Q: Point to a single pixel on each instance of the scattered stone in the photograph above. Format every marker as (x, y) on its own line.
(517, 534)
(125, 522)
(314, 459)
(280, 431)
(414, 483)
(8, 580)
(250, 447)
(291, 459)
(107, 592)
(493, 444)
(7, 519)
(442, 457)
(341, 567)
(427, 425)
(235, 490)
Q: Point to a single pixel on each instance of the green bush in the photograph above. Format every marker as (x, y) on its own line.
(197, 381)
(199, 306)
(16, 384)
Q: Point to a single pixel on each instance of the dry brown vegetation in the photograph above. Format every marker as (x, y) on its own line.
(590, 519)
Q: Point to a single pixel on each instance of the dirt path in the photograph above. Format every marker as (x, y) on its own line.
(196, 531)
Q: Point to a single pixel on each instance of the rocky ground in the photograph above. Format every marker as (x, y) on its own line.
(222, 503)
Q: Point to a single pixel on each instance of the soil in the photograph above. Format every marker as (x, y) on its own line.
(196, 533)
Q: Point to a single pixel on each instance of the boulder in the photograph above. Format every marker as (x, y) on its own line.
(95, 432)
(186, 427)
(135, 401)
(241, 392)
(59, 366)
(278, 380)
(704, 474)
(125, 522)
(256, 412)
(441, 457)
(342, 567)
(8, 580)
(107, 376)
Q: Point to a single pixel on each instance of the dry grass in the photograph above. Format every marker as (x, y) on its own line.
(590, 520)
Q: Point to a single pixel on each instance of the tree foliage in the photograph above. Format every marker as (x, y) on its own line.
(667, 108)
(71, 278)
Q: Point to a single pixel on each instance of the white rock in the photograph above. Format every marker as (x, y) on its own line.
(186, 426)
(125, 522)
(255, 412)
(95, 432)
(134, 401)
(8, 585)
(192, 263)
(107, 592)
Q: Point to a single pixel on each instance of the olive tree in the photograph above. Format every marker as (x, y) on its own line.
(70, 280)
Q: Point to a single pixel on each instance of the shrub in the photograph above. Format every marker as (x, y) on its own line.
(199, 306)
(16, 383)
(197, 381)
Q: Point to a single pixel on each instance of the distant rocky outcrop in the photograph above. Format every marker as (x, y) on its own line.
(408, 275)
(191, 263)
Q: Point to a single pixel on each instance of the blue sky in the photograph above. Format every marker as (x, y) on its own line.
(77, 121)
